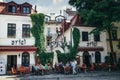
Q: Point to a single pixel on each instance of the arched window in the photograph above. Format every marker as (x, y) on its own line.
(25, 59)
(97, 57)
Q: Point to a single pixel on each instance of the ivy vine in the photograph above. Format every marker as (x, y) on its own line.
(73, 50)
(38, 31)
(76, 37)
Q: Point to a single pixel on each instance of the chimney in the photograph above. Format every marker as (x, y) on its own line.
(35, 8)
(60, 12)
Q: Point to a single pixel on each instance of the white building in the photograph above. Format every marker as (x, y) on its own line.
(16, 42)
(52, 28)
(92, 48)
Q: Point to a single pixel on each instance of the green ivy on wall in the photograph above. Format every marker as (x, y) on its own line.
(76, 37)
(73, 50)
(38, 31)
(46, 57)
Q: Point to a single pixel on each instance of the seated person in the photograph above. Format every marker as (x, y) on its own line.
(14, 70)
(36, 66)
(46, 67)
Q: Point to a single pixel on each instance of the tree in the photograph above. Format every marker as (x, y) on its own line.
(100, 14)
(38, 31)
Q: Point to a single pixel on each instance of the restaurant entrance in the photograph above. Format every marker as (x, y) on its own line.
(11, 60)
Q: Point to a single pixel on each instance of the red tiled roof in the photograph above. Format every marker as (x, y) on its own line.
(76, 20)
(65, 25)
(18, 48)
(90, 49)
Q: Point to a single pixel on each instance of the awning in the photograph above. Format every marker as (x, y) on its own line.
(90, 49)
(18, 48)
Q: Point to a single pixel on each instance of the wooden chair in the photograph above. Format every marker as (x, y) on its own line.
(22, 69)
(115, 67)
(83, 67)
(92, 67)
(66, 69)
(13, 70)
(57, 68)
(28, 69)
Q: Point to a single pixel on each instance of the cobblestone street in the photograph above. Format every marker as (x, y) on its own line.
(99, 75)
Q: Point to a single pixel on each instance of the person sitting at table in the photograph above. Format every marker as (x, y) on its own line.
(61, 67)
(41, 66)
(67, 68)
(41, 69)
(14, 70)
(46, 68)
(36, 68)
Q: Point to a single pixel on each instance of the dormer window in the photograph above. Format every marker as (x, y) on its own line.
(12, 8)
(46, 19)
(59, 19)
(26, 9)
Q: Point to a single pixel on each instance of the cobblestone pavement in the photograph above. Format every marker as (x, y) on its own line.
(99, 75)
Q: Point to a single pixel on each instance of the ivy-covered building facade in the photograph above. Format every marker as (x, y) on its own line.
(92, 48)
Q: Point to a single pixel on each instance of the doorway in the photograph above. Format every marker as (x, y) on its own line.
(86, 58)
(11, 60)
(25, 59)
(97, 57)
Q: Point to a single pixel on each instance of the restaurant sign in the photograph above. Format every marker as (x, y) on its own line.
(18, 42)
(92, 43)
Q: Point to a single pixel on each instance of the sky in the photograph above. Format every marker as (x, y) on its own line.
(47, 6)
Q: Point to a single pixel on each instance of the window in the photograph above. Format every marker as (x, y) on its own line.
(96, 37)
(64, 39)
(25, 59)
(84, 36)
(46, 19)
(114, 34)
(26, 9)
(49, 41)
(12, 8)
(59, 19)
(11, 30)
(49, 32)
(25, 30)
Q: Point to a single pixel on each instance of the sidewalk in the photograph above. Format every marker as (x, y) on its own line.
(96, 75)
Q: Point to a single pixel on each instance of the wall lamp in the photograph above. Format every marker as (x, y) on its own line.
(19, 55)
